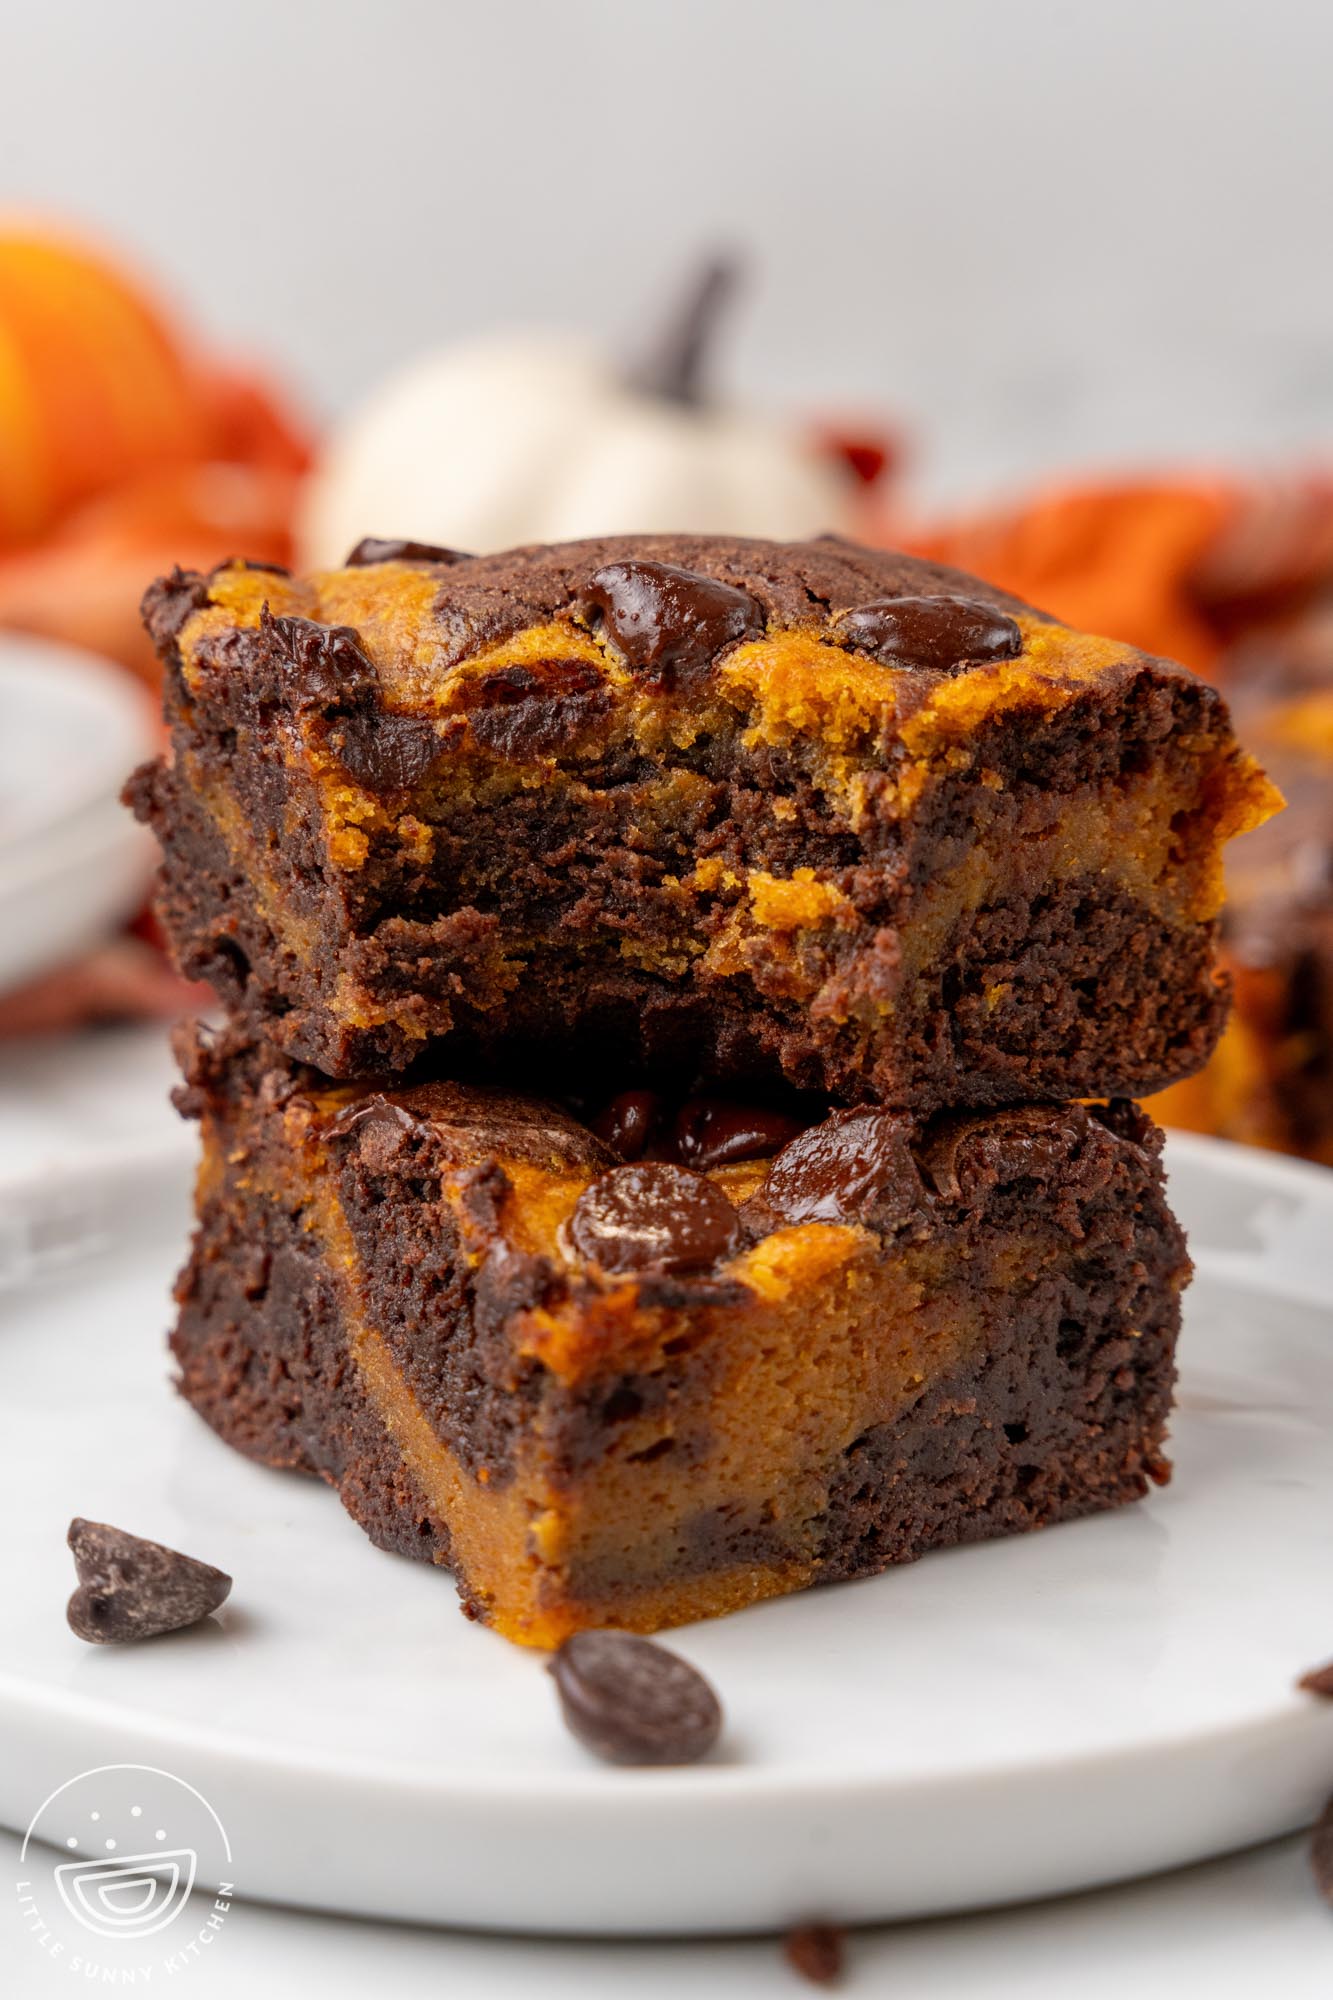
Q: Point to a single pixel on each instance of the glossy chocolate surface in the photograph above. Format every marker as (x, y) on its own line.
(379, 549)
(854, 1167)
(654, 1217)
(670, 623)
(936, 632)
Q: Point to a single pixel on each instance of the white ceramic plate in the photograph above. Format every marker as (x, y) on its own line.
(1106, 1699)
(72, 862)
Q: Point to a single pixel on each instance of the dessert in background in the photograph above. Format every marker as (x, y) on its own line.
(1236, 579)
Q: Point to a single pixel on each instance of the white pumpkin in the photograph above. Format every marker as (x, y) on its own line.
(534, 437)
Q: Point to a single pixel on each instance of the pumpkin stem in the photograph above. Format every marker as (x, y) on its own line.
(674, 368)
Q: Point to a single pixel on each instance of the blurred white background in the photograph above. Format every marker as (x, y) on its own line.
(1044, 231)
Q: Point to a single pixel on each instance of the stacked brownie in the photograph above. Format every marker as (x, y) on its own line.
(642, 1168)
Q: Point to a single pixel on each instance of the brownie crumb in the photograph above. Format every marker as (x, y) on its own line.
(133, 1589)
(816, 1952)
(1321, 1853)
(1318, 1681)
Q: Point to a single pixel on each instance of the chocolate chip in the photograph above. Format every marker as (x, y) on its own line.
(384, 753)
(938, 632)
(653, 1217)
(670, 623)
(855, 1167)
(630, 1701)
(376, 549)
(1319, 1682)
(363, 1113)
(1321, 1853)
(384, 1133)
(506, 1122)
(326, 667)
(713, 1132)
(815, 1952)
(133, 1589)
(628, 1123)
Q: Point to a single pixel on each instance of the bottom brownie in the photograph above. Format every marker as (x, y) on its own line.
(642, 1393)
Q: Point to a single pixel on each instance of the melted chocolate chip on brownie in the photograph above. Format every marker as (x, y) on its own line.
(855, 1167)
(327, 668)
(714, 1132)
(670, 624)
(384, 753)
(377, 549)
(655, 1217)
(942, 633)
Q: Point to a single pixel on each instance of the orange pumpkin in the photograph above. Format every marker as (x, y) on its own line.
(95, 388)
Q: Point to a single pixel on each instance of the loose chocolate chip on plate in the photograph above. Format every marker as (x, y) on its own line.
(133, 1589)
(855, 1167)
(938, 632)
(670, 623)
(1319, 1682)
(653, 1217)
(631, 1701)
(1321, 1853)
(713, 1132)
(378, 549)
(627, 1123)
(816, 1953)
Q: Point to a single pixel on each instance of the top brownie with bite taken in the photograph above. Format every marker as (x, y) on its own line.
(705, 807)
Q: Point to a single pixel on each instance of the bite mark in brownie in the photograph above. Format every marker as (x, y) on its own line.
(727, 809)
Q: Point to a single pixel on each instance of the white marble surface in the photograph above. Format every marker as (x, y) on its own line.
(1251, 1925)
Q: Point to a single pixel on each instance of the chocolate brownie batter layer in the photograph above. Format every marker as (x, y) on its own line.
(728, 809)
(640, 1393)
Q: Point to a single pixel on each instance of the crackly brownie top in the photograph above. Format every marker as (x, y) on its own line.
(669, 603)
(543, 653)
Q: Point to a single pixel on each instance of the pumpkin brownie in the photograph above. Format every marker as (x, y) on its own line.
(1271, 1081)
(633, 1392)
(721, 808)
